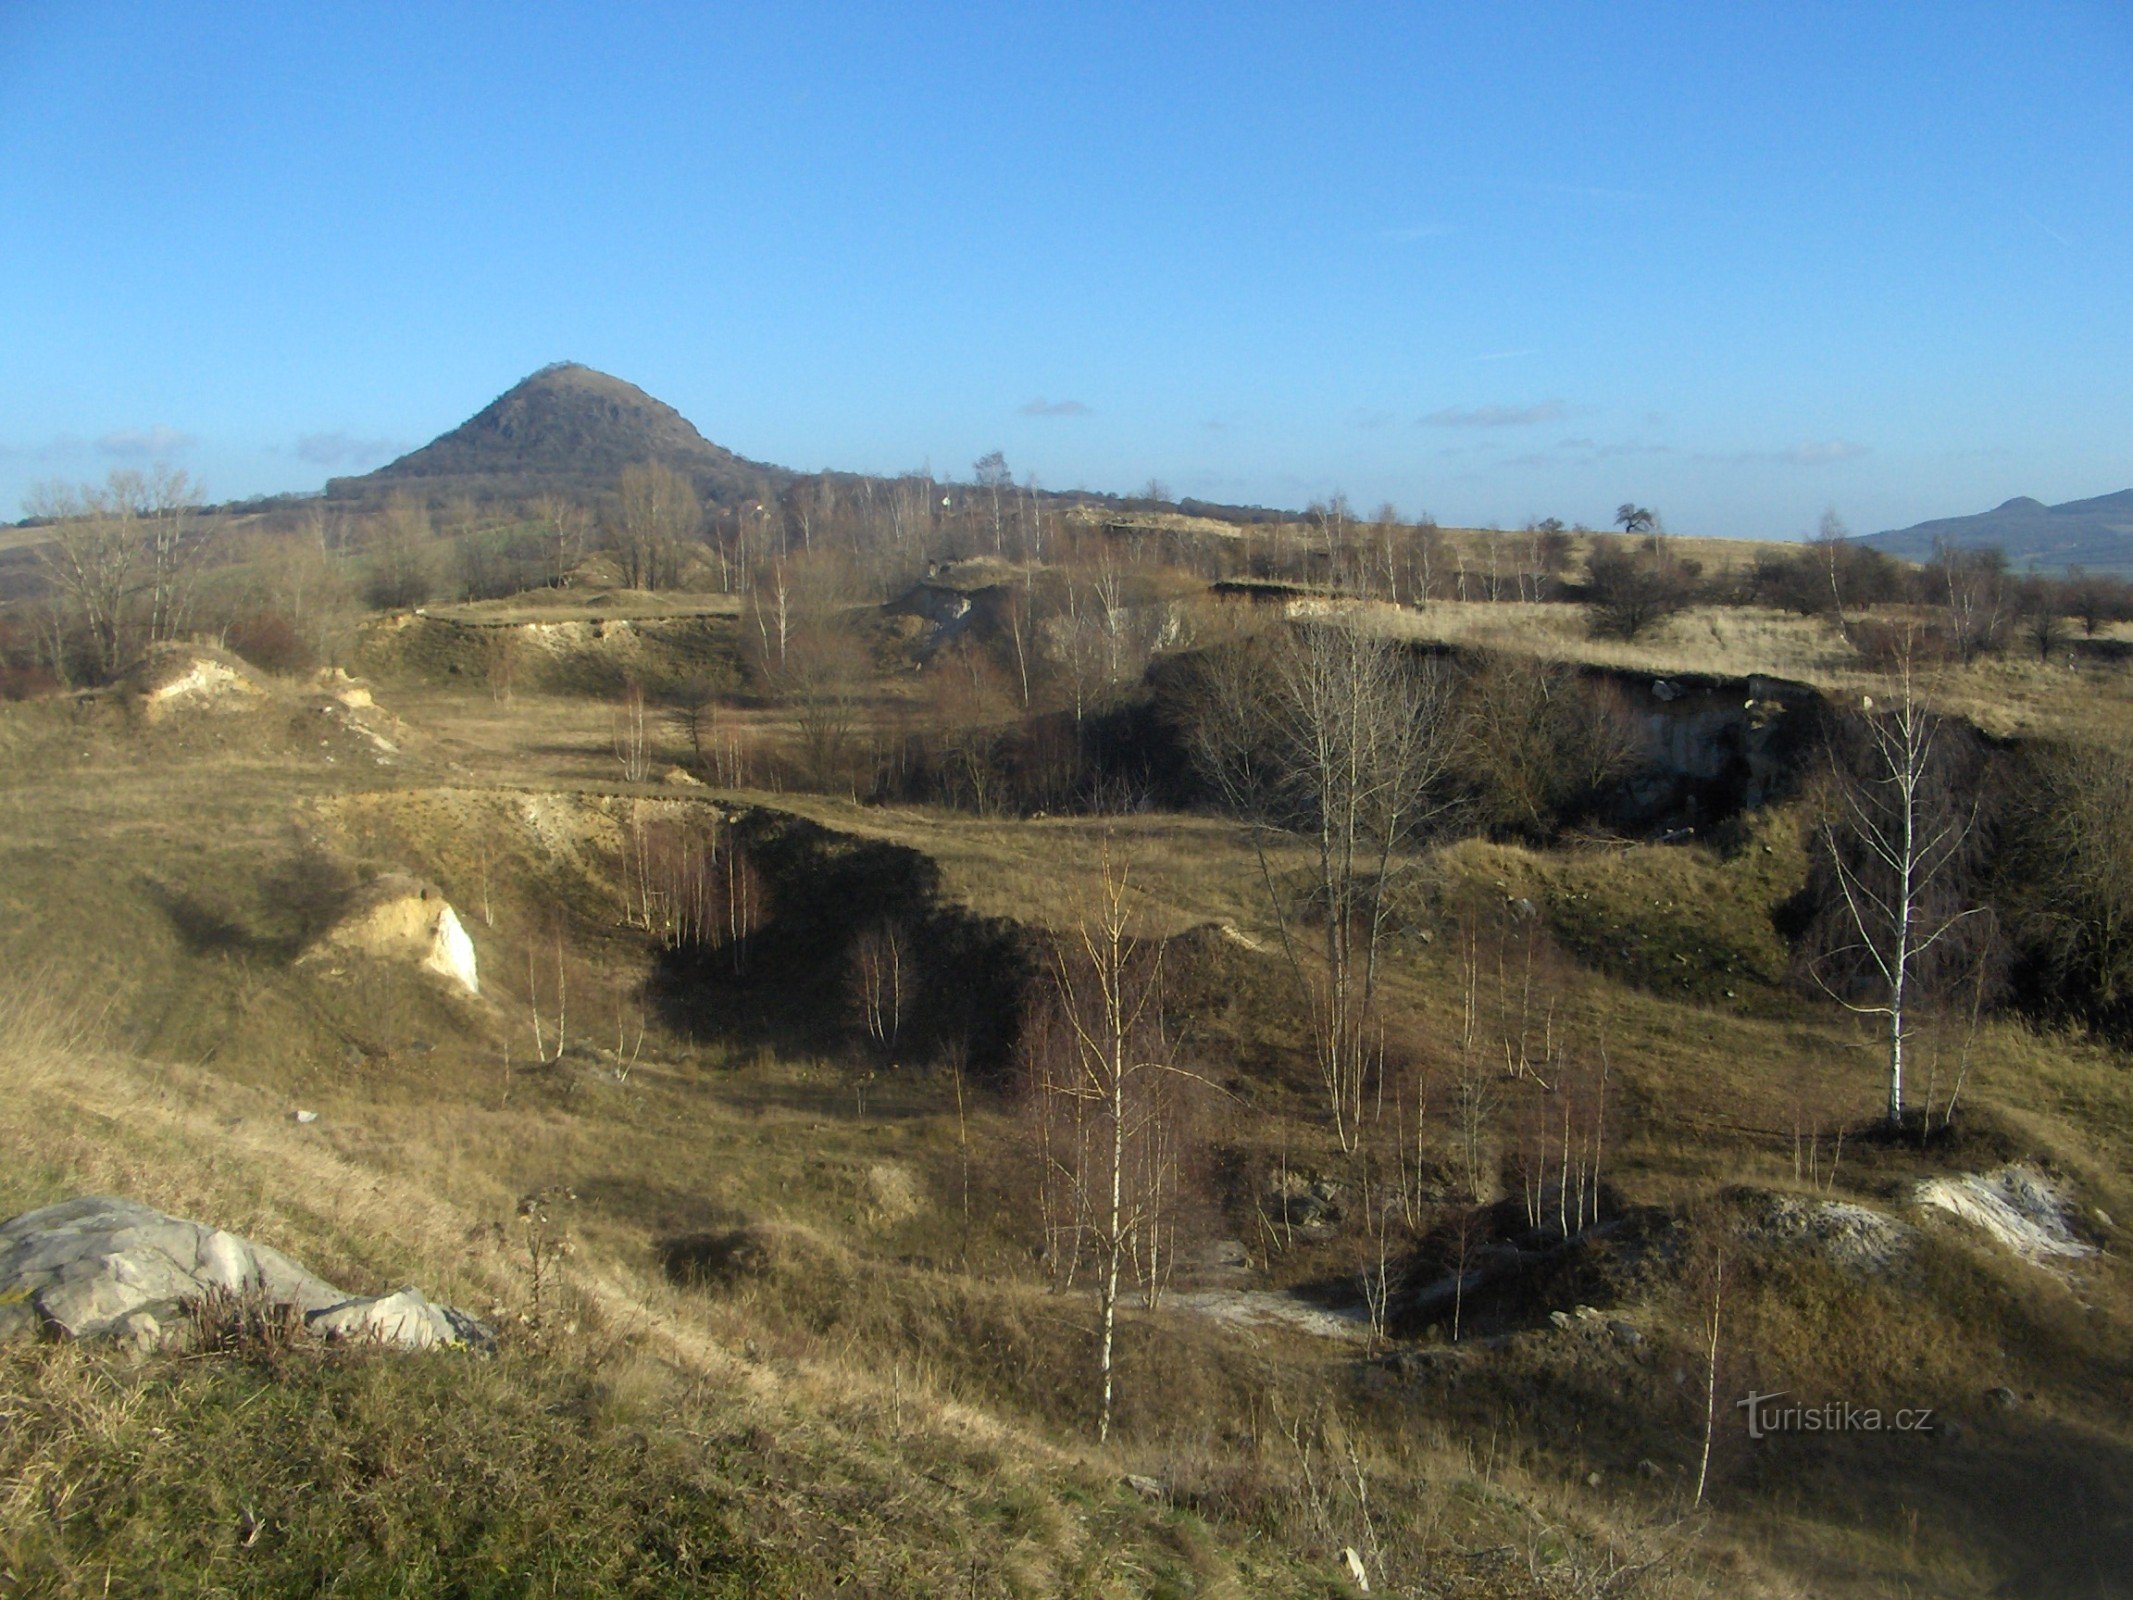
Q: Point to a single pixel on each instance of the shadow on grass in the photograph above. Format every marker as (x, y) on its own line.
(788, 987)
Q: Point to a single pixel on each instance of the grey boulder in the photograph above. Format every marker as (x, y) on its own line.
(100, 1267)
(405, 1318)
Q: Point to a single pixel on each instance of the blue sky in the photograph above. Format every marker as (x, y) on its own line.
(1742, 263)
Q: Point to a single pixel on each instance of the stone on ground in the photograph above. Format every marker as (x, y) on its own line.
(101, 1267)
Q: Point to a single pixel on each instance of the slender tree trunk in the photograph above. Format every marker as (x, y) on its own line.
(1114, 1241)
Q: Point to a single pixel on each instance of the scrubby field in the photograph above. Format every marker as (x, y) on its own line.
(751, 1147)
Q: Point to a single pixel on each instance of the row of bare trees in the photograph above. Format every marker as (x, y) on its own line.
(692, 885)
(123, 561)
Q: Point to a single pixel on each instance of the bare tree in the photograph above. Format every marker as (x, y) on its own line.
(1712, 1326)
(563, 525)
(1973, 589)
(176, 536)
(400, 554)
(2069, 871)
(826, 677)
(304, 579)
(657, 513)
(1344, 739)
(630, 733)
(1633, 587)
(883, 978)
(2043, 621)
(1895, 843)
(1540, 744)
(996, 484)
(125, 557)
(92, 562)
(1105, 1090)
(1826, 553)
(2097, 598)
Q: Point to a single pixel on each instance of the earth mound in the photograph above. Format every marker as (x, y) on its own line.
(176, 678)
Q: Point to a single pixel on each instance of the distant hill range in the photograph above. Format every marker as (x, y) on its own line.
(566, 429)
(2096, 534)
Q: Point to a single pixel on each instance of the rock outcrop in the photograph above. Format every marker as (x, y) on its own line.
(175, 678)
(2016, 1206)
(397, 917)
(100, 1267)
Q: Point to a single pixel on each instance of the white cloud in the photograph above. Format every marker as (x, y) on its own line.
(156, 441)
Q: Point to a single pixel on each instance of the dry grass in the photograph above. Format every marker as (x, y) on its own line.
(1728, 640)
(897, 1371)
(582, 605)
(412, 1171)
(2009, 695)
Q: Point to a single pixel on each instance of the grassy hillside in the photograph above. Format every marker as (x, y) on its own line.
(783, 1306)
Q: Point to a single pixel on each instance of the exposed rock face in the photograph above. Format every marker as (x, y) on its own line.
(405, 1318)
(1714, 746)
(397, 917)
(100, 1267)
(351, 705)
(176, 678)
(2017, 1206)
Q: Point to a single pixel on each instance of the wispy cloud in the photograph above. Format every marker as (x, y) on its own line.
(2045, 227)
(60, 447)
(1041, 407)
(1811, 453)
(135, 442)
(1497, 416)
(1587, 452)
(1821, 452)
(342, 449)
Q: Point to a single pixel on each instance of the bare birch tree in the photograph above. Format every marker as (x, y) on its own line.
(1896, 842)
(1345, 740)
(1105, 1093)
(882, 981)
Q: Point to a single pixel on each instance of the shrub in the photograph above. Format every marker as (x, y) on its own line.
(1631, 587)
(270, 642)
